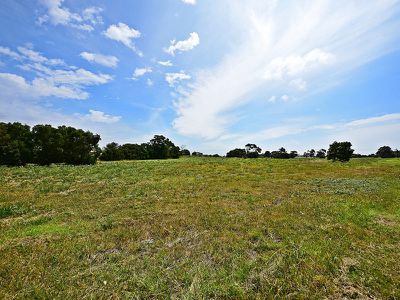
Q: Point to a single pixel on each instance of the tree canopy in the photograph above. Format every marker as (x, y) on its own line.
(340, 151)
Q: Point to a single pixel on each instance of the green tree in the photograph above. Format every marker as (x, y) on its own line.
(252, 151)
(281, 153)
(340, 151)
(321, 153)
(135, 151)
(161, 147)
(47, 145)
(385, 152)
(15, 144)
(79, 147)
(111, 152)
(236, 153)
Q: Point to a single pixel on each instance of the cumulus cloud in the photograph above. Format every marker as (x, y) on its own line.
(283, 48)
(57, 14)
(52, 77)
(104, 60)
(166, 63)
(173, 78)
(185, 45)
(101, 117)
(139, 72)
(124, 34)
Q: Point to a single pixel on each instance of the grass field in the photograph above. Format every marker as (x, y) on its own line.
(201, 228)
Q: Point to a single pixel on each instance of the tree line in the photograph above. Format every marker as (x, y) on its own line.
(159, 147)
(44, 145)
(340, 151)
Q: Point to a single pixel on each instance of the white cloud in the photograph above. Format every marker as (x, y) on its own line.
(277, 45)
(139, 72)
(57, 14)
(380, 119)
(272, 99)
(285, 98)
(191, 2)
(101, 117)
(6, 51)
(166, 63)
(37, 57)
(299, 84)
(124, 34)
(104, 60)
(52, 77)
(293, 65)
(184, 45)
(172, 78)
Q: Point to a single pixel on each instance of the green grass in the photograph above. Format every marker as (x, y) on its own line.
(201, 228)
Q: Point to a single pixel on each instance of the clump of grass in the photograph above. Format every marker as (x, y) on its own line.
(12, 210)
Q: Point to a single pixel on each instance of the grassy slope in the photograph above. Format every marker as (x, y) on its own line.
(201, 228)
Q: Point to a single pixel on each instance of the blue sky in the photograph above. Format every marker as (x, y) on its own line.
(210, 75)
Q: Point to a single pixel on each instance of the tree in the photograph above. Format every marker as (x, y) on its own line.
(385, 152)
(79, 147)
(321, 153)
(267, 154)
(252, 150)
(236, 153)
(134, 151)
(15, 144)
(309, 153)
(293, 154)
(184, 152)
(281, 153)
(196, 153)
(340, 151)
(111, 152)
(161, 148)
(48, 145)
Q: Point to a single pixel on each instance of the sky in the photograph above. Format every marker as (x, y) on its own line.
(211, 75)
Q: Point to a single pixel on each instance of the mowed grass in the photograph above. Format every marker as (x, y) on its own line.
(201, 228)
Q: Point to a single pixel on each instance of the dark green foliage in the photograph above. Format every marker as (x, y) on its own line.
(79, 147)
(196, 153)
(185, 152)
(236, 153)
(267, 154)
(321, 153)
(161, 147)
(309, 153)
(45, 145)
(252, 151)
(111, 152)
(15, 144)
(293, 154)
(385, 152)
(158, 148)
(281, 153)
(48, 144)
(135, 151)
(340, 151)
